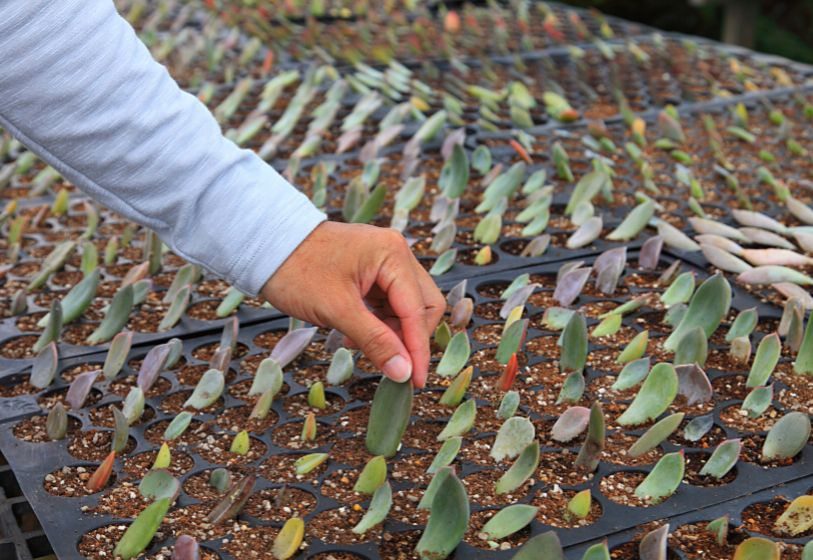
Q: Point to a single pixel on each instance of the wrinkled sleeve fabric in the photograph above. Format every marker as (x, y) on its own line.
(81, 90)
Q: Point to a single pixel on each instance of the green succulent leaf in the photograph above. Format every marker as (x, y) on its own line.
(509, 520)
(787, 437)
(511, 340)
(692, 348)
(574, 345)
(454, 393)
(379, 508)
(522, 469)
(268, 377)
(461, 421)
(159, 484)
(139, 534)
(680, 290)
(758, 401)
(743, 325)
(514, 435)
(308, 463)
(444, 262)
(116, 317)
(455, 356)
(541, 547)
(656, 434)
(633, 373)
(207, 391)
(508, 405)
(757, 548)
(656, 394)
(389, 416)
(454, 176)
(178, 426)
(635, 349)
(448, 520)
(448, 452)
(664, 478)
(765, 360)
(723, 459)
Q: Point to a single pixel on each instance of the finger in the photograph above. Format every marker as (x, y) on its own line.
(433, 299)
(397, 279)
(392, 322)
(379, 342)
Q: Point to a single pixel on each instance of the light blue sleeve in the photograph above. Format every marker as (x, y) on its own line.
(79, 88)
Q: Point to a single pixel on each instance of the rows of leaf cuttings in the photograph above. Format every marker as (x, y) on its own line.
(354, 452)
(83, 259)
(719, 530)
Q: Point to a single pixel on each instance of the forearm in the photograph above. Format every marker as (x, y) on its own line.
(80, 89)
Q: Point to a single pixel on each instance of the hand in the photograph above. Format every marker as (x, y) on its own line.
(365, 282)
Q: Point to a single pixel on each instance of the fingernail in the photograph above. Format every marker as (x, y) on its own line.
(398, 368)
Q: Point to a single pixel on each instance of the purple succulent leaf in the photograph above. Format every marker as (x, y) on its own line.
(571, 423)
(455, 137)
(650, 253)
(457, 293)
(348, 139)
(220, 359)
(151, 367)
(186, 548)
(586, 234)
(461, 313)
(567, 267)
(517, 299)
(694, 384)
(80, 389)
(570, 286)
(292, 344)
(609, 266)
(230, 331)
(334, 341)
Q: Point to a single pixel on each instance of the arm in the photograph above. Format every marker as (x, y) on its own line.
(79, 88)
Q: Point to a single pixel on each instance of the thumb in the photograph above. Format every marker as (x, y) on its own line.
(379, 342)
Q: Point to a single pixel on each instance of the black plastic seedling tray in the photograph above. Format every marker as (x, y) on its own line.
(31, 462)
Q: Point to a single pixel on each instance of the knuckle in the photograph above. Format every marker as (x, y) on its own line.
(376, 342)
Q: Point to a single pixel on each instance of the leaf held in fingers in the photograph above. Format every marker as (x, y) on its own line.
(787, 437)
(233, 502)
(379, 508)
(207, 391)
(461, 421)
(141, 531)
(448, 520)
(656, 394)
(508, 521)
(514, 435)
(663, 479)
(655, 435)
(389, 416)
(455, 356)
(372, 476)
(101, 475)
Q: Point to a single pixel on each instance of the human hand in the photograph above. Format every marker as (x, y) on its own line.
(364, 282)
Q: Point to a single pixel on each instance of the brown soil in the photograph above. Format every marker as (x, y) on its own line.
(475, 538)
(250, 542)
(19, 347)
(281, 469)
(174, 403)
(191, 374)
(761, 518)
(121, 386)
(279, 504)
(216, 450)
(617, 445)
(552, 504)
(48, 400)
(191, 520)
(735, 417)
(334, 527)
(194, 434)
(695, 462)
(400, 546)
(620, 488)
(102, 416)
(94, 445)
(481, 489)
(71, 482)
(139, 465)
(197, 485)
(122, 501)
(289, 436)
(236, 419)
(297, 405)
(558, 468)
(33, 429)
